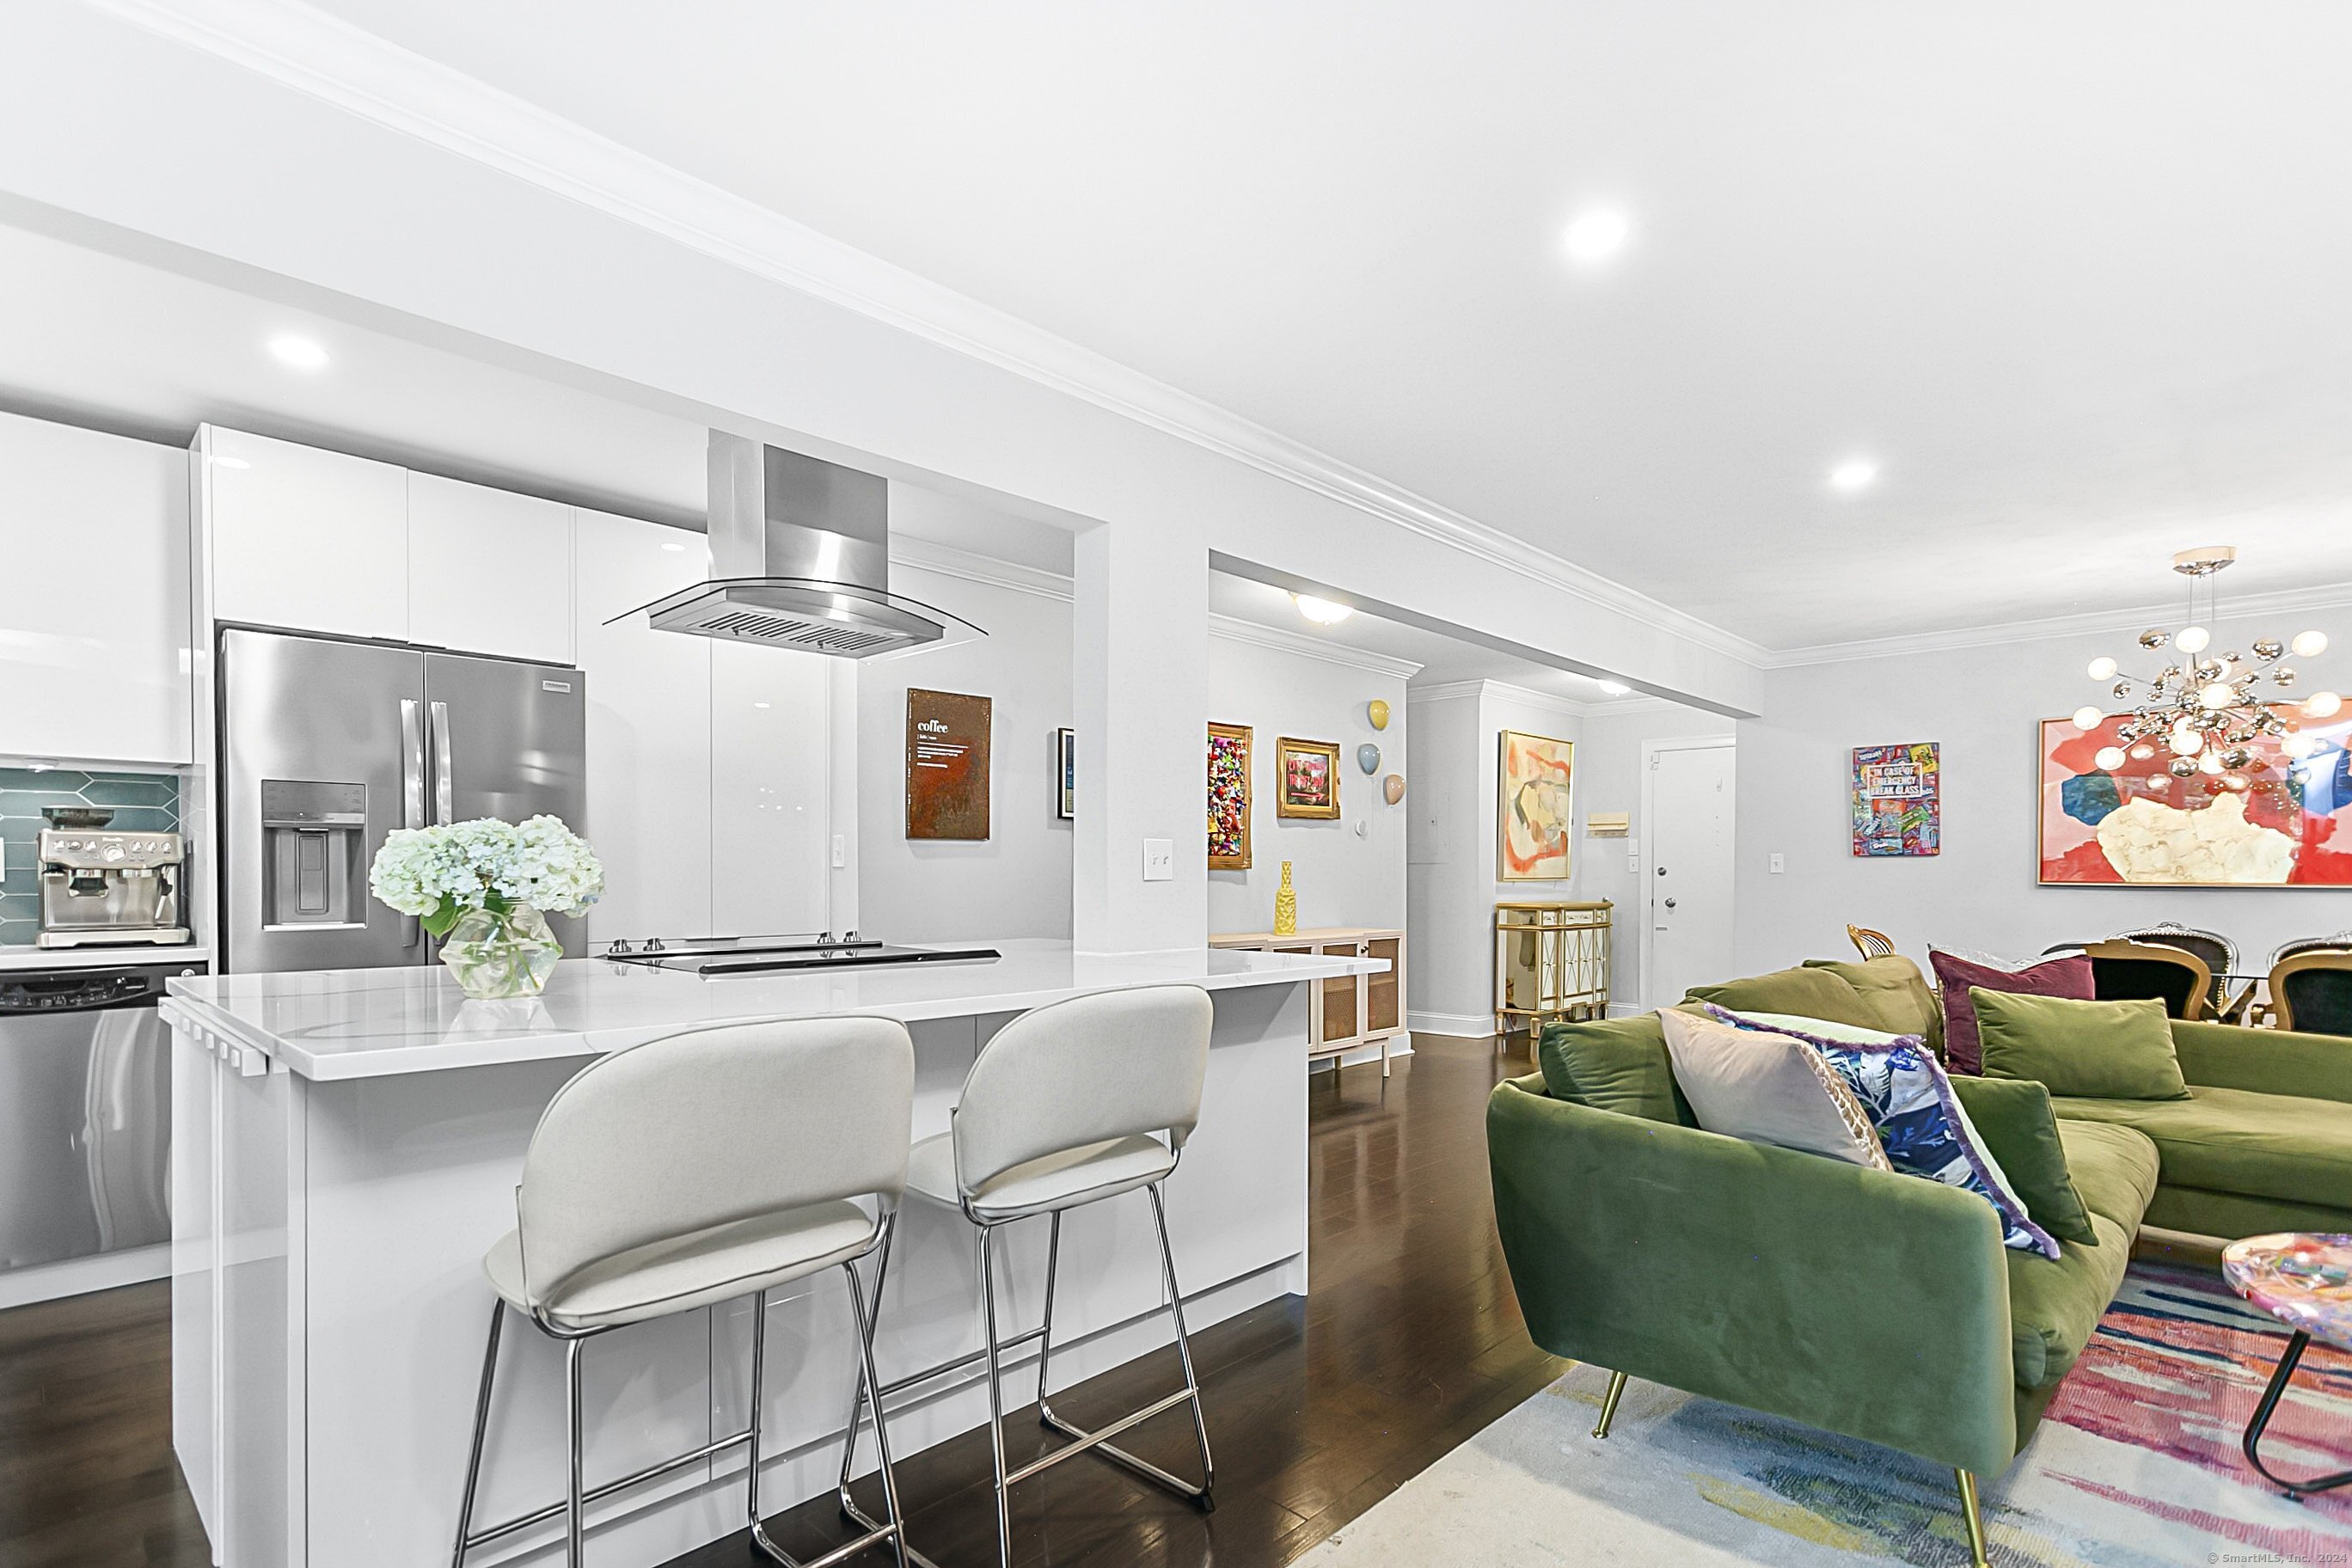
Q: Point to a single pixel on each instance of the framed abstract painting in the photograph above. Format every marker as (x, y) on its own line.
(1897, 799)
(1229, 797)
(1307, 778)
(1537, 778)
(1066, 774)
(2286, 823)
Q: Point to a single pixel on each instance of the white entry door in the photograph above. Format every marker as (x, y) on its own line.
(1689, 826)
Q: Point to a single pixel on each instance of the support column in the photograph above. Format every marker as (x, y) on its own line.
(1140, 683)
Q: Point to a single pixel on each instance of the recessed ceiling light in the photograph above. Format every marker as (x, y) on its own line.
(1322, 612)
(1615, 688)
(1853, 474)
(1596, 236)
(675, 548)
(758, 705)
(302, 353)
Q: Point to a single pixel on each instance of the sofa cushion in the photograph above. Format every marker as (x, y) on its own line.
(1807, 993)
(2236, 1141)
(1768, 1089)
(2098, 1050)
(2069, 977)
(2054, 1304)
(2019, 1129)
(1612, 1064)
(1892, 986)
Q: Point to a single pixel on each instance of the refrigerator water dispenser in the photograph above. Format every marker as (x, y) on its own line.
(314, 853)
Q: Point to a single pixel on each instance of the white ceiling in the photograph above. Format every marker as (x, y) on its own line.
(2072, 275)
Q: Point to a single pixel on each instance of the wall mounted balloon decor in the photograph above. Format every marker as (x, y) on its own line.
(1368, 757)
(1377, 712)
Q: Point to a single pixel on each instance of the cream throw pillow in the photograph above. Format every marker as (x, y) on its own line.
(1768, 1089)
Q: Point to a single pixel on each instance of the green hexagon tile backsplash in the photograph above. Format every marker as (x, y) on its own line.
(140, 803)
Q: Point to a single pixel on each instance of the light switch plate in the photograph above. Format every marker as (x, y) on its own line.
(840, 850)
(1779, 864)
(1160, 859)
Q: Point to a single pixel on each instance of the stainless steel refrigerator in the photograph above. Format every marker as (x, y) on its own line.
(326, 747)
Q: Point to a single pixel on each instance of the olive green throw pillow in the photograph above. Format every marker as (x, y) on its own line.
(2092, 1050)
(1893, 987)
(2014, 1117)
(1614, 1063)
(1803, 992)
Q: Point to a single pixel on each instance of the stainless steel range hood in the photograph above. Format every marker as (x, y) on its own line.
(800, 559)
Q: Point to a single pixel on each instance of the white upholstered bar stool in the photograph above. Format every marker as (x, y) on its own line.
(1069, 1104)
(693, 1170)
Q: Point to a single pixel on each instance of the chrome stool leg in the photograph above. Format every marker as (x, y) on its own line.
(995, 1397)
(873, 1385)
(575, 1509)
(1200, 1495)
(481, 1430)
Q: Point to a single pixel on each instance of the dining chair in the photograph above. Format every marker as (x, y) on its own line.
(2340, 942)
(2218, 951)
(2312, 992)
(1870, 944)
(2134, 971)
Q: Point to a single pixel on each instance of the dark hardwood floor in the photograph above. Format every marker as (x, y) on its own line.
(1407, 1344)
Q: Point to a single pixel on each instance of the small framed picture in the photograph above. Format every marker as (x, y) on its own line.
(1229, 797)
(1066, 773)
(1307, 775)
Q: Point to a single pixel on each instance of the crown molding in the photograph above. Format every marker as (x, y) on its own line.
(1446, 691)
(356, 71)
(947, 561)
(1449, 691)
(1305, 647)
(2122, 623)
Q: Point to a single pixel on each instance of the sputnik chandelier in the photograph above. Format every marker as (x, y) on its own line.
(2209, 715)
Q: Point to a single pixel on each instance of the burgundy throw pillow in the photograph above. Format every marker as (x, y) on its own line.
(2069, 977)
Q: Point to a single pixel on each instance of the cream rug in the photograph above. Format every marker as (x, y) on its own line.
(2136, 1463)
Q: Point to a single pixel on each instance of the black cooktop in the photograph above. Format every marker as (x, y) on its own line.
(716, 956)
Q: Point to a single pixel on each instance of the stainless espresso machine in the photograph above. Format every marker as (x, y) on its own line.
(107, 888)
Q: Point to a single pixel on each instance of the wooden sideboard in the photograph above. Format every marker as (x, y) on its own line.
(1355, 1010)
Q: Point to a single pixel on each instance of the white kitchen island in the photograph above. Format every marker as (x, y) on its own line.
(346, 1145)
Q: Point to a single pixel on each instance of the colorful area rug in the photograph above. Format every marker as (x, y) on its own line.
(2136, 1463)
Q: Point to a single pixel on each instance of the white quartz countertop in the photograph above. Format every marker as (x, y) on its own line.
(372, 1023)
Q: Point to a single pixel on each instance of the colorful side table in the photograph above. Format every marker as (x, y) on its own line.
(2305, 1282)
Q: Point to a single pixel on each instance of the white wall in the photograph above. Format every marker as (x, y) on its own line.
(1350, 872)
(1017, 881)
(1984, 706)
(1453, 885)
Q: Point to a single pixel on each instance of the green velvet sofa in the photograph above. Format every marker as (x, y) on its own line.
(1876, 1305)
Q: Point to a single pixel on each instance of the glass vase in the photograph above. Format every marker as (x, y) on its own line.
(495, 956)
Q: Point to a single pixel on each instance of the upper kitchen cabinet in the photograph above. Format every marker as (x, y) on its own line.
(487, 571)
(304, 539)
(94, 627)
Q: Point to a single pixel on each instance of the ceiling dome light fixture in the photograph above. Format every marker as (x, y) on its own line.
(1615, 688)
(1853, 474)
(1322, 612)
(2225, 716)
(302, 353)
(1596, 236)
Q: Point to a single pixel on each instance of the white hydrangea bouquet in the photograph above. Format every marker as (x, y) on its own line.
(485, 888)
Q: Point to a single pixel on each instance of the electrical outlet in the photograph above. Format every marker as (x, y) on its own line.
(1779, 864)
(1160, 859)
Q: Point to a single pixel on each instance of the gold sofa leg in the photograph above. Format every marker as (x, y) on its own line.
(1969, 1511)
(1609, 1403)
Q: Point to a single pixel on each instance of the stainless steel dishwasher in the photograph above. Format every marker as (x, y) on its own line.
(84, 1113)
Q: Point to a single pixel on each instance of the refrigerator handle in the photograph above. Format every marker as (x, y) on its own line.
(441, 808)
(412, 787)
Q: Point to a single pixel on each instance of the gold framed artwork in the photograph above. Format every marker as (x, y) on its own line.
(1229, 797)
(1537, 776)
(1307, 778)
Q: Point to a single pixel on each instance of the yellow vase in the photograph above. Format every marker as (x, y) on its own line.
(1285, 906)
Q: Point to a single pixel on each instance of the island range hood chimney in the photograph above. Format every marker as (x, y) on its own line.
(800, 559)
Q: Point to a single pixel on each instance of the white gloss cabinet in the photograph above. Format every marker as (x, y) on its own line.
(488, 571)
(648, 729)
(94, 628)
(304, 539)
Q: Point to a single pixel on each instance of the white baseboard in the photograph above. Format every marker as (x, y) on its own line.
(80, 1275)
(1469, 1025)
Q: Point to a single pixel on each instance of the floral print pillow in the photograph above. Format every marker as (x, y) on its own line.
(1909, 1100)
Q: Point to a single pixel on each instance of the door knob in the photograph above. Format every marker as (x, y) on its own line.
(1661, 871)
(1670, 903)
